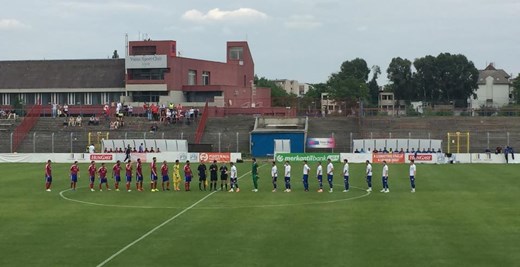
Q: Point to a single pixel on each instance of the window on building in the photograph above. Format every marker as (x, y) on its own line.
(5, 99)
(144, 50)
(45, 99)
(148, 96)
(146, 74)
(96, 99)
(192, 77)
(236, 53)
(205, 77)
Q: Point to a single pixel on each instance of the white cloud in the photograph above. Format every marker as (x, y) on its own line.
(241, 14)
(10, 24)
(302, 22)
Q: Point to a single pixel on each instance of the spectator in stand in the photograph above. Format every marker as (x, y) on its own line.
(423, 150)
(78, 120)
(71, 121)
(356, 151)
(151, 150)
(134, 150)
(106, 150)
(141, 148)
(375, 151)
(120, 150)
(118, 107)
(146, 150)
(158, 150)
(66, 110)
(498, 150)
(401, 151)
(106, 111)
(155, 112)
(407, 151)
(11, 115)
(91, 149)
(439, 150)
(110, 150)
(54, 110)
(130, 110)
(385, 150)
(168, 116)
(429, 150)
(413, 150)
(154, 128)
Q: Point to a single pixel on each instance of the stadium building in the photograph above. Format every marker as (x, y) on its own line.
(152, 72)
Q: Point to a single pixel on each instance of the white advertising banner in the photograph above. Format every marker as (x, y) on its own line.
(146, 62)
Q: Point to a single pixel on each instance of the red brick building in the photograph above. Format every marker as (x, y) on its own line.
(153, 72)
(156, 72)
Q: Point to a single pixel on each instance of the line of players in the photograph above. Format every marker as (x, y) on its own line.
(102, 172)
(330, 176)
(214, 169)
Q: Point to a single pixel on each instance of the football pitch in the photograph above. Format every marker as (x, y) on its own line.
(461, 215)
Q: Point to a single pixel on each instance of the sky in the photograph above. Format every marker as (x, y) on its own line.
(300, 40)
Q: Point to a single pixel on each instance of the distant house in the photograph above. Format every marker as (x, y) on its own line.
(494, 89)
(293, 87)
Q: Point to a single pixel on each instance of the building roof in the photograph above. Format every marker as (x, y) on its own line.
(500, 76)
(83, 73)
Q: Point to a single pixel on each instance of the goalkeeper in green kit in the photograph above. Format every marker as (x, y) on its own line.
(254, 172)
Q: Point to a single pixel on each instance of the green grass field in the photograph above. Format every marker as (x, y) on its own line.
(461, 215)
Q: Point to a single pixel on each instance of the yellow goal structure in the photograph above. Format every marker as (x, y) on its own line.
(458, 142)
(96, 139)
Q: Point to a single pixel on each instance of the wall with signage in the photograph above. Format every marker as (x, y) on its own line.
(146, 62)
(113, 157)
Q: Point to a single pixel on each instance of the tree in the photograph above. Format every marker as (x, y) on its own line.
(350, 82)
(115, 55)
(457, 79)
(316, 90)
(516, 89)
(277, 92)
(373, 87)
(426, 78)
(401, 80)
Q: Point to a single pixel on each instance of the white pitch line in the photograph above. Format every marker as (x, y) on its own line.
(158, 227)
(111, 205)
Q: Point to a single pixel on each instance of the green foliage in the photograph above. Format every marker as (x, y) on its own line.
(373, 87)
(317, 89)
(400, 75)
(350, 83)
(278, 95)
(410, 111)
(516, 89)
(445, 78)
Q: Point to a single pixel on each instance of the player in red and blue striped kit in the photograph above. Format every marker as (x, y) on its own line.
(103, 177)
(128, 169)
(74, 170)
(48, 176)
(139, 175)
(165, 177)
(116, 173)
(92, 174)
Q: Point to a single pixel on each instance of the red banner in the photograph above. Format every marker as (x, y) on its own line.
(389, 158)
(219, 157)
(419, 157)
(107, 157)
